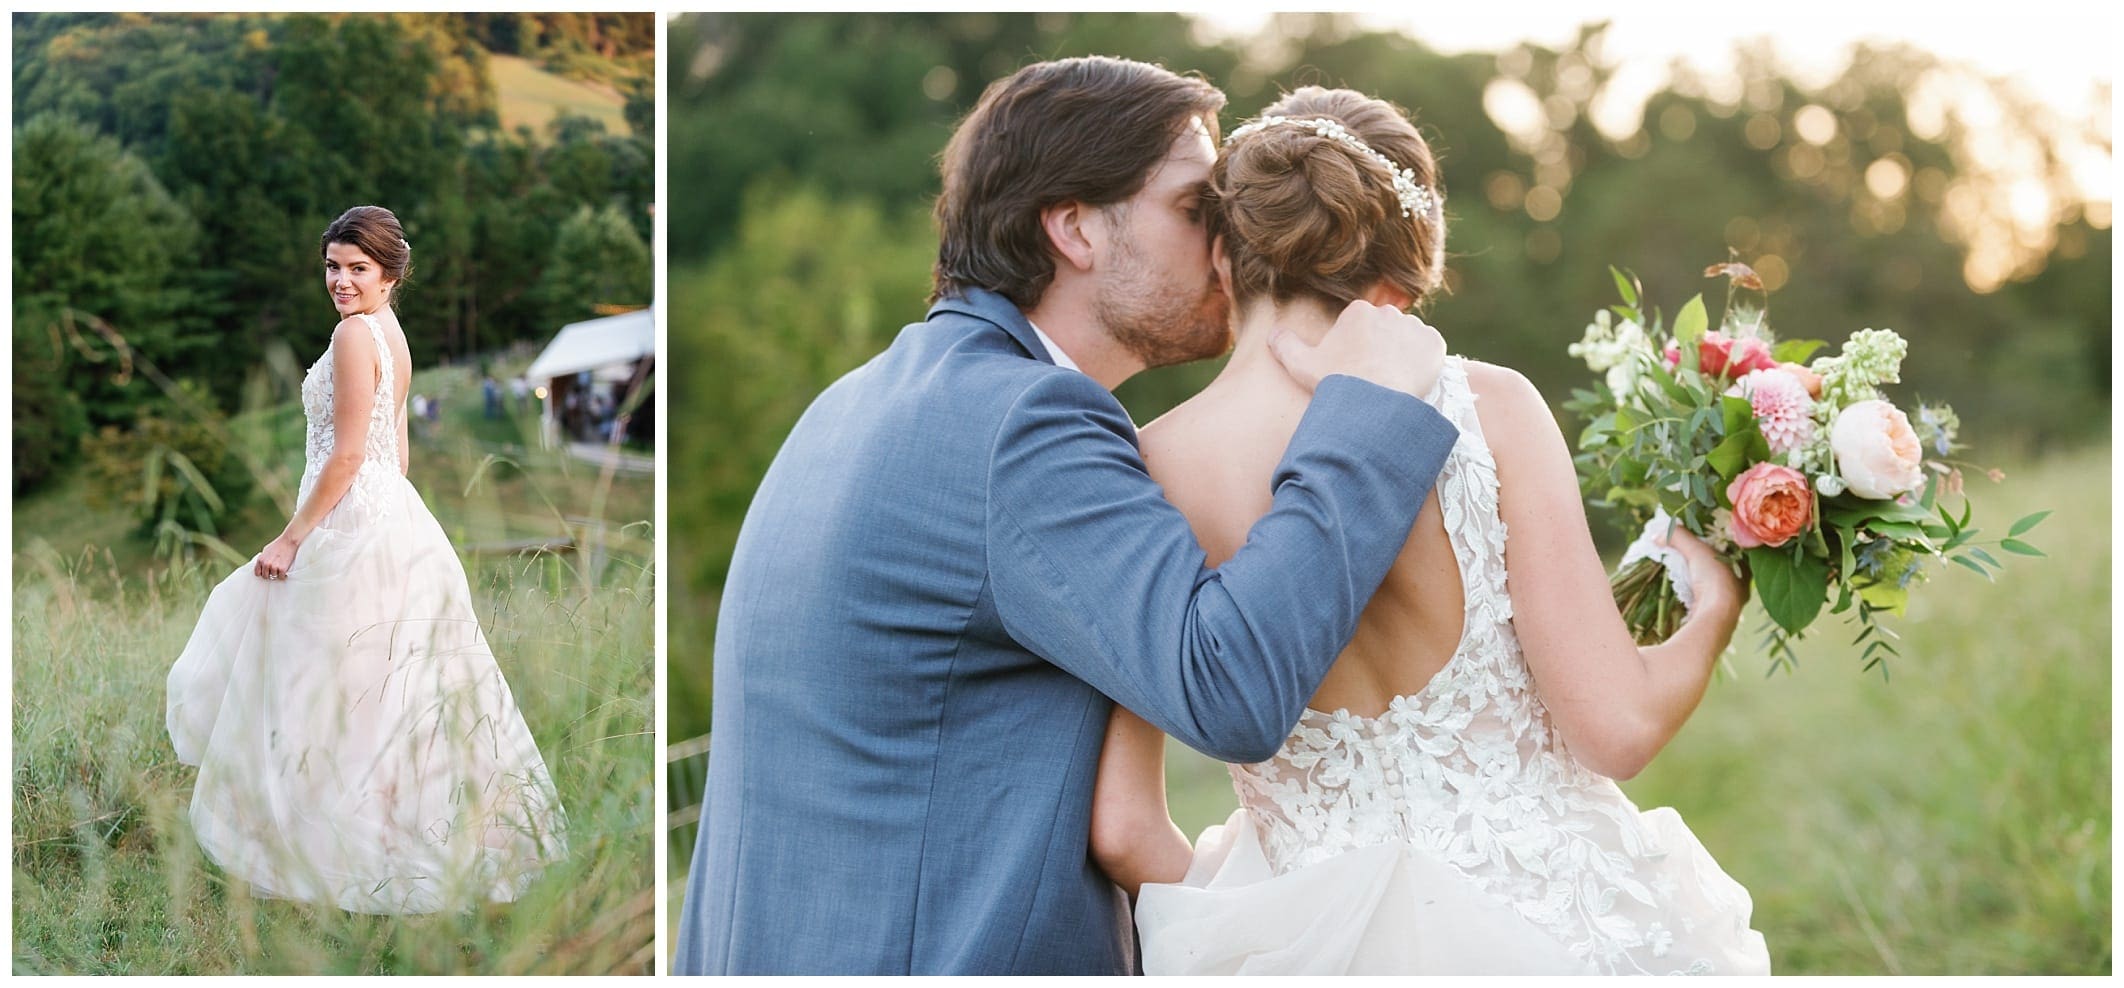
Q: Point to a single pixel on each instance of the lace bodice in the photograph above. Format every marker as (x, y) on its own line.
(379, 465)
(1470, 768)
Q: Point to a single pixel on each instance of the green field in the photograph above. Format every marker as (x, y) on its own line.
(106, 876)
(1954, 820)
(530, 96)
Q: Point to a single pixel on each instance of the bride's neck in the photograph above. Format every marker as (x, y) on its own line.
(1259, 319)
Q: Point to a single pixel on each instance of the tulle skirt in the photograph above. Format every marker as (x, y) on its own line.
(356, 743)
(1398, 909)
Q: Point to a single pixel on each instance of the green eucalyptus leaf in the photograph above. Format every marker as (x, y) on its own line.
(1793, 585)
(1623, 286)
(1690, 323)
(1730, 457)
(1907, 531)
(1795, 351)
(1851, 511)
(1736, 412)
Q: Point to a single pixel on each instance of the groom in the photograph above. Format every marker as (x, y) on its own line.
(957, 562)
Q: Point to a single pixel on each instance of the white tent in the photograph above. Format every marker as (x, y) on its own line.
(609, 348)
(596, 344)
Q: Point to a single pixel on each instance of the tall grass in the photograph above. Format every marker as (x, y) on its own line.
(107, 878)
(1952, 820)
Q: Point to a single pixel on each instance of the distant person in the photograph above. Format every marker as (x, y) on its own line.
(602, 409)
(520, 393)
(490, 397)
(356, 744)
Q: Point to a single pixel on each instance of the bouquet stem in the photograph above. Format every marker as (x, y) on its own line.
(1646, 599)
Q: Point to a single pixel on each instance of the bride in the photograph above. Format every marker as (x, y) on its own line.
(1446, 804)
(356, 744)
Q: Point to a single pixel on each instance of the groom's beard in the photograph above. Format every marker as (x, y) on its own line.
(1161, 323)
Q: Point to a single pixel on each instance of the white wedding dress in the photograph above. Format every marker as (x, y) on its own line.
(356, 743)
(1453, 833)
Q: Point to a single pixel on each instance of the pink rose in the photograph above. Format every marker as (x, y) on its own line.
(1771, 504)
(1719, 355)
(1732, 358)
(1876, 450)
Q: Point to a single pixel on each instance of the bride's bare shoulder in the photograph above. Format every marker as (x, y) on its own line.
(1502, 390)
(1517, 424)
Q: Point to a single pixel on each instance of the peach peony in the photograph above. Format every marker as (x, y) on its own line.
(1876, 450)
(1806, 377)
(1771, 504)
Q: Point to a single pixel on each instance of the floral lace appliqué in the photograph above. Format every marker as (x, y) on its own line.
(366, 501)
(1470, 770)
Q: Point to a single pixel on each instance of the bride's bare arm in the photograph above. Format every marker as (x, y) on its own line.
(1133, 837)
(354, 359)
(1615, 704)
(354, 373)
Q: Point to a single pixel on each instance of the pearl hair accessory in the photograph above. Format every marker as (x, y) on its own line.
(1414, 198)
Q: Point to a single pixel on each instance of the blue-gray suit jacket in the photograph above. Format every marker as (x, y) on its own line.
(954, 568)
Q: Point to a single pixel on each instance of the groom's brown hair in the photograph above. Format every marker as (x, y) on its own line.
(1087, 129)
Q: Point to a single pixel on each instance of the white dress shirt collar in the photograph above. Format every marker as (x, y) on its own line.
(1054, 349)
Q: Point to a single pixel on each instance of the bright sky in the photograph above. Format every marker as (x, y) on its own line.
(2057, 49)
(2059, 54)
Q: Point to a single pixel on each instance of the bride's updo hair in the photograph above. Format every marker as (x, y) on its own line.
(376, 231)
(1308, 216)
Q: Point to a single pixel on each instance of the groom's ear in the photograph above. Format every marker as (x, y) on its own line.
(1070, 231)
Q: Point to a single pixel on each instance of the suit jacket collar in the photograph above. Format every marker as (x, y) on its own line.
(989, 307)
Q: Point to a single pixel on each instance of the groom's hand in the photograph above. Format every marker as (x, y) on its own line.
(1374, 343)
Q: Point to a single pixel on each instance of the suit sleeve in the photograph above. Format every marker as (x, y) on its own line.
(1094, 570)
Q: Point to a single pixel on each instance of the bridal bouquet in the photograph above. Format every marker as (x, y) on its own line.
(1799, 471)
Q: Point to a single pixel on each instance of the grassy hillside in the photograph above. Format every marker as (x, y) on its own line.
(529, 95)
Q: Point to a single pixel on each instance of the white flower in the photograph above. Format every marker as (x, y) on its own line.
(1829, 485)
(1622, 378)
(1877, 453)
(1870, 358)
(1720, 536)
(1608, 344)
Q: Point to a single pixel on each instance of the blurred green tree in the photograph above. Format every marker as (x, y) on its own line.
(810, 289)
(97, 243)
(252, 131)
(597, 261)
(781, 120)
